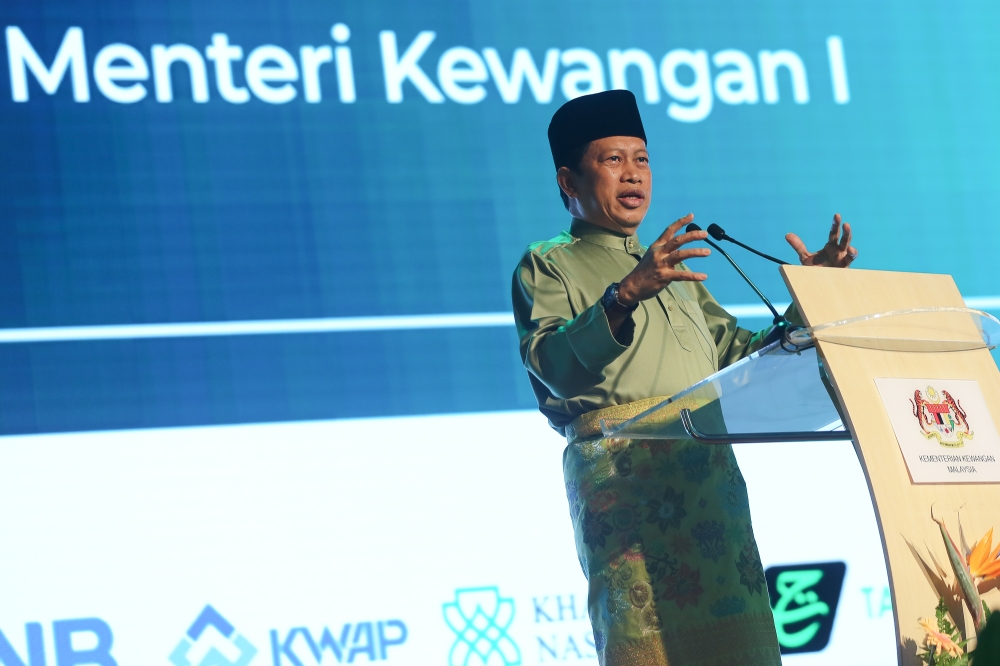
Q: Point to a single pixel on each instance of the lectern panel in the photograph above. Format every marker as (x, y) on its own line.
(918, 562)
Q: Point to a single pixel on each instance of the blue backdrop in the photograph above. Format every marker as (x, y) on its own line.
(397, 165)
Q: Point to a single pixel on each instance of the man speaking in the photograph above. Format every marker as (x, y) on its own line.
(608, 328)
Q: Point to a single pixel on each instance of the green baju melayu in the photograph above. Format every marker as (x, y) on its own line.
(662, 528)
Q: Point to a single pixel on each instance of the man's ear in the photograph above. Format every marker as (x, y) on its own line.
(567, 182)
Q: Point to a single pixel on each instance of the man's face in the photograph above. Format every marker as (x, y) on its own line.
(613, 185)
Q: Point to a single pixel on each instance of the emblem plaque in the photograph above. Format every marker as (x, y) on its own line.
(944, 429)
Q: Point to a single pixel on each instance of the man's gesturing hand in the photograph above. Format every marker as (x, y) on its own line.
(837, 253)
(656, 268)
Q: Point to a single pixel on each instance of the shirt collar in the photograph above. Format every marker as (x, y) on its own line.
(591, 233)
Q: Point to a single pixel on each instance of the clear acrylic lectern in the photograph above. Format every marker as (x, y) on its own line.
(781, 393)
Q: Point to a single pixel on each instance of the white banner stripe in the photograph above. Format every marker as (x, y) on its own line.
(983, 302)
(328, 325)
(754, 309)
(257, 327)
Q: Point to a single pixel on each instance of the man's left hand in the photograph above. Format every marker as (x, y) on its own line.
(837, 253)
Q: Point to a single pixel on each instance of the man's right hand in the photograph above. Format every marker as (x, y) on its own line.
(656, 268)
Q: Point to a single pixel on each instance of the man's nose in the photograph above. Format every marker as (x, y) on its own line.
(632, 175)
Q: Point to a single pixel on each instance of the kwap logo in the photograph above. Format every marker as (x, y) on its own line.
(299, 646)
(804, 600)
(370, 640)
(243, 650)
(480, 618)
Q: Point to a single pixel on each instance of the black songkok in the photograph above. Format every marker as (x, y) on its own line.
(591, 117)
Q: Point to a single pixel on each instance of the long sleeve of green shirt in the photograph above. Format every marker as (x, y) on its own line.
(573, 360)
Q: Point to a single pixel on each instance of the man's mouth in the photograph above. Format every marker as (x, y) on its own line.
(632, 198)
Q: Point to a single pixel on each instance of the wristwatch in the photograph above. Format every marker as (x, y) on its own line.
(610, 302)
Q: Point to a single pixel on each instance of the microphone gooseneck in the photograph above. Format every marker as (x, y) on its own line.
(778, 319)
(719, 234)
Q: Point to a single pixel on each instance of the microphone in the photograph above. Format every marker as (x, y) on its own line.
(719, 234)
(780, 323)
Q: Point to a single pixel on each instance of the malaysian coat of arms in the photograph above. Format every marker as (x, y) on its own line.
(941, 417)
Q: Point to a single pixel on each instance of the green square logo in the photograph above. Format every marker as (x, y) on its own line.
(804, 600)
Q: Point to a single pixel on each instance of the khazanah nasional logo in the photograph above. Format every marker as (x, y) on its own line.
(480, 618)
(804, 600)
(209, 617)
(941, 417)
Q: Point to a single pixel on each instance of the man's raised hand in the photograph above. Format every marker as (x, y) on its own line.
(837, 253)
(656, 268)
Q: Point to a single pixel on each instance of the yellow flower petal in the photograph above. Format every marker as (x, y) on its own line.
(990, 571)
(984, 564)
(980, 552)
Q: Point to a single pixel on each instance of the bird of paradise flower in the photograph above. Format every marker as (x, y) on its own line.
(972, 567)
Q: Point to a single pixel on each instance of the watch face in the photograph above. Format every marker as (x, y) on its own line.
(610, 297)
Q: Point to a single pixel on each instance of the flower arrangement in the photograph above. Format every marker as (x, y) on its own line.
(944, 644)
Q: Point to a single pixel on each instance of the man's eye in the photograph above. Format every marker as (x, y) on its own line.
(615, 158)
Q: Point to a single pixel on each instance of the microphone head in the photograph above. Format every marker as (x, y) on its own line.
(692, 227)
(716, 232)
